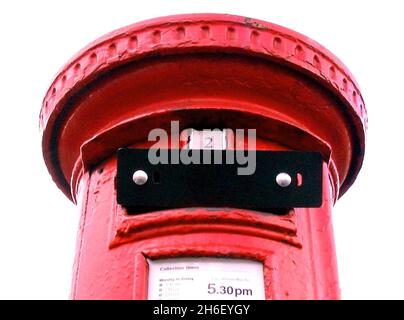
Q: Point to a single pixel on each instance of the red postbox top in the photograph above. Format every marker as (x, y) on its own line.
(186, 35)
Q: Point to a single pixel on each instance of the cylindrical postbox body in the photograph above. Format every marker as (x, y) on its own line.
(205, 71)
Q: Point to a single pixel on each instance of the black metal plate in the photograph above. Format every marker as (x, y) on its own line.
(218, 185)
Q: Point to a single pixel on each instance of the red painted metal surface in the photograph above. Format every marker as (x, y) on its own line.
(210, 71)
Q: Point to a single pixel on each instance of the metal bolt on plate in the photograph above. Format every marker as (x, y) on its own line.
(283, 179)
(140, 177)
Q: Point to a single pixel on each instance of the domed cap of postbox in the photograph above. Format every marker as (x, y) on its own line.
(308, 72)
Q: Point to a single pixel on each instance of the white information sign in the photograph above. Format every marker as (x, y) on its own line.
(205, 279)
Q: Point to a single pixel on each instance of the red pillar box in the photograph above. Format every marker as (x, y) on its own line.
(202, 71)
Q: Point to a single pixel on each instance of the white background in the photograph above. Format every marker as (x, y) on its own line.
(38, 225)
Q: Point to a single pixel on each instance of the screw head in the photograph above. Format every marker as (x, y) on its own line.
(283, 179)
(139, 177)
